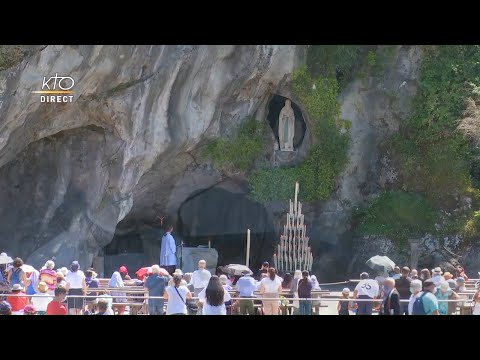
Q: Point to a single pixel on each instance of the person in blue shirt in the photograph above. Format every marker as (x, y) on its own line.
(246, 286)
(168, 249)
(156, 285)
(430, 302)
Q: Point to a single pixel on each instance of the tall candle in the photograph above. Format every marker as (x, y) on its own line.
(248, 248)
(296, 195)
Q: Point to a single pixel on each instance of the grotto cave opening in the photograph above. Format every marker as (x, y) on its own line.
(223, 217)
(274, 108)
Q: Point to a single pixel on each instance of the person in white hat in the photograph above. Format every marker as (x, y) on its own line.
(437, 276)
(18, 303)
(178, 272)
(343, 307)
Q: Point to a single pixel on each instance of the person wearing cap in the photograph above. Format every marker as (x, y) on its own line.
(200, 277)
(403, 287)
(344, 306)
(460, 285)
(18, 302)
(396, 273)
(168, 250)
(437, 276)
(76, 285)
(41, 299)
(124, 273)
(416, 290)
(246, 287)
(366, 289)
(429, 301)
(443, 292)
(156, 285)
(178, 272)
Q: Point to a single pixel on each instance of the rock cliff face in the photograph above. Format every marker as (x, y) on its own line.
(71, 172)
(125, 151)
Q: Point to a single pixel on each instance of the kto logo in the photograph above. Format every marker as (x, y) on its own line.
(56, 89)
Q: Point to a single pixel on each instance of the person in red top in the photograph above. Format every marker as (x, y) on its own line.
(17, 303)
(56, 306)
(124, 273)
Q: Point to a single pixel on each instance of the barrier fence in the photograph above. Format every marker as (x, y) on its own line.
(142, 300)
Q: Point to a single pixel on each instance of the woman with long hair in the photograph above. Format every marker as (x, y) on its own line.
(425, 274)
(117, 282)
(271, 287)
(177, 296)
(214, 297)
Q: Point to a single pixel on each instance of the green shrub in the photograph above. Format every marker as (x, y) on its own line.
(328, 156)
(240, 152)
(332, 61)
(398, 216)
(434, 158)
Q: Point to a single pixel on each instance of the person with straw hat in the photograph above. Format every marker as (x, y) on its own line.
(41, 299)
(19, 302)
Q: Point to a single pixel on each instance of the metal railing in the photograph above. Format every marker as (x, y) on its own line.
(142, 301)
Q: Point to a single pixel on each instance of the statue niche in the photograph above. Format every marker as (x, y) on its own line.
(286, 127)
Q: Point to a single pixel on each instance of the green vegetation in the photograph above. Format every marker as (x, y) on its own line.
(239, 152)
(10, 55)
(328, 155)
(433, 150)
(332, 61)
(398, 216)
(316, 87)
(434, 158)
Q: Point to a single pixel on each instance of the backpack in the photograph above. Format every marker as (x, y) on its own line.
(15, 278)
(418, 308)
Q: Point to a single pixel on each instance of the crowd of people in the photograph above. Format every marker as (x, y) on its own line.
(71, 291)
(407, 293)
